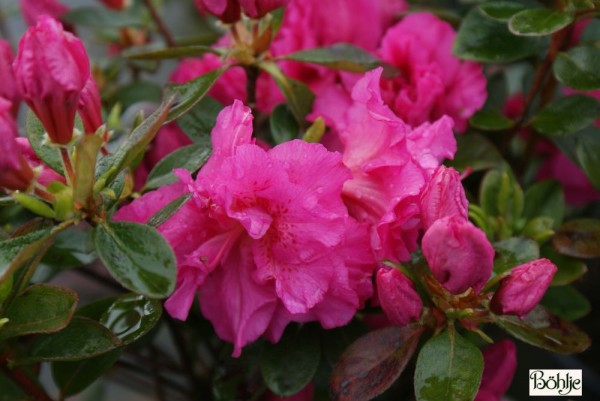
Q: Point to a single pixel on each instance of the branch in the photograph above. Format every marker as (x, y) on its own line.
(160, 24)
(21, 378)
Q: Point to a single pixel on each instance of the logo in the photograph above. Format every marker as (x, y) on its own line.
(557, 382)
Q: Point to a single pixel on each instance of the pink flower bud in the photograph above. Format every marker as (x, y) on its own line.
(443, 196)
(397, 296)
(459, 254)
(51, 70)
(499, 365)
(116, 4)
(15, 172)
(258, 8)
(90, 107)
(8, 89)
(33, 9)
(226, 10)
(521, 291)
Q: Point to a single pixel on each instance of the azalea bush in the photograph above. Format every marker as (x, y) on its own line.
(302, 199)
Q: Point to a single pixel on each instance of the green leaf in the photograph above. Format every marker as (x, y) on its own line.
(14, 252)
(569, 269)
(501, 196)
(34, 204)
(81, 339)
(501, 10)
(298, 96)
(283, 125)
(490, 121)
(41, 308)
(341, 56)
(448, 368)
(11, 391)
(543, 329)
(566, 302)
(579, 5)
(373, 363)
(315, 132)
(475, 151)
(481, 38)
(74, 377)
(588, 155)
(40, 144)
(545, 199)
(566, 115)
(579, 68)
(138, 53)
(137, 256)
(169, 210)
(190, 93)
(578, 238)
(136, 92)
(538, 22)
(85, 167)
(200, 120)
(131, 316)
(288, 366)
(513, 252)
(190, 157)
(102, 17)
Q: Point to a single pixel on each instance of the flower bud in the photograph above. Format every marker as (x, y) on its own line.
(443, 196)
(397, 297)
(8, 89)
(521, 291)
(51, 70)
(33, 9)
(499, 365)
(226, 10)
(459, 254)
(258, 8)
(90, 107)
(116, 4)
(15, 172)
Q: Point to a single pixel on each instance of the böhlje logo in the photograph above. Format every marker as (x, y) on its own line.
(556, 382)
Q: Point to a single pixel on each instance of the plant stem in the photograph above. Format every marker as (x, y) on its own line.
(160, 24)
(251, 76)
(21, 378)
(66, 159)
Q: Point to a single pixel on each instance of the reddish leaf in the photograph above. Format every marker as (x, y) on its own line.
(579, 238)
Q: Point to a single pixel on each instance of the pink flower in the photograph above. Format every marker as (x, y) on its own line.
(226, 10)
(90, 107)
(443, 196)
(15, 172)
(397, 297)
(258, 8)
(51, 70)
(523, 289)
(459, 254)
(500, 363)
(8, 89)
(432, 82)
(266, 238)
(33, 9)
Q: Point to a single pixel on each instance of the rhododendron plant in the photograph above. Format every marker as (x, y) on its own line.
(297, 199)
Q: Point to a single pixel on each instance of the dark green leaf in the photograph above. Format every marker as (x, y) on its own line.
(513, 252)
(545, 330)
(588, 155)
(545, 198)
(15, 251)
(336, 341)
(11, 391)
(190, 93)
(137, 53)
(373, 363)
(137, 256)
(476, 152)
(190, 157)
(341, 56)
(566, 115)
(481, 38)
(41, 308)
(288, 366)
(579, 238)
(448, 368)
(579, 68)
(501, 10)
(81, 339)
(502, 196)
(569, 269)
(74, 377)
(490, 121)
(169, 210)
(40, 144)
(283, 125)
(102, 17)
(200, 120)
(566, 302)
(131, 316)
(538, 22)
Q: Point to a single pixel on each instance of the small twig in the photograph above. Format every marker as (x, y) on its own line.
(66, 159)
(160, 24)
(22, 379)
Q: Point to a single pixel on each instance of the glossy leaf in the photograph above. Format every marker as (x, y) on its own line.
(501, 10)
(538, 22)
(566, 115)
(513, 252)
(566, 302)
(131, 316)
(40, 144)
(190, 157)
(579, 68)
(579, 238)
(484, 39)
(288, 366)
(569, 268)
(81, 339)
(543, 329)
(283, 125)
(490, 121)
(475, 152)
(545, 198)
(41, 308)
(199, 121)
(373, 363)
(169, 53)
(448, 368)
(341, 56)
(169, 210)
(137, 256)
(16, 251)
(73, 377)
